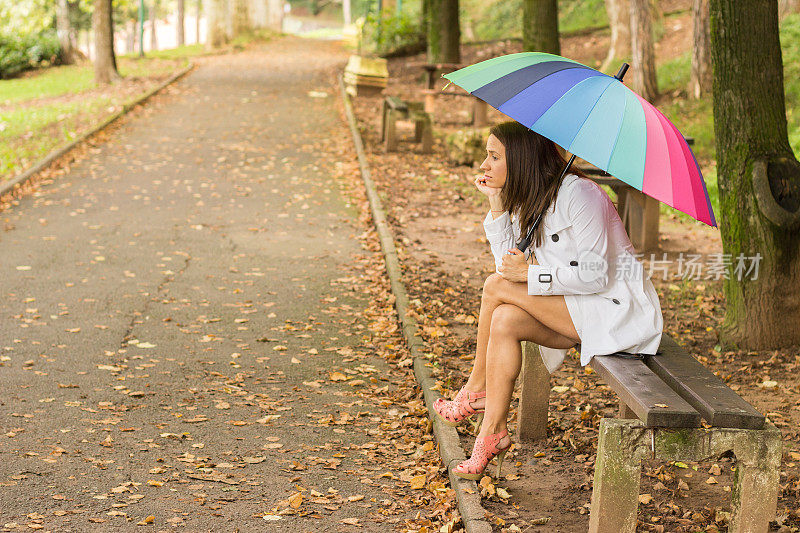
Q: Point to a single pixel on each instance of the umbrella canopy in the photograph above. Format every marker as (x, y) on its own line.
(597, 118)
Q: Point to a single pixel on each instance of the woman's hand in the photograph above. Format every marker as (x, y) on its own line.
(492, 192)
(514, 266)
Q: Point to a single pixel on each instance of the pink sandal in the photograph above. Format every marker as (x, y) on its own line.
(452, 412)
(484, 450)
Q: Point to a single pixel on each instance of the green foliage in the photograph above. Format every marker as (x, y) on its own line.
(20, 53)
(790, 46)
(576, 15)
(674, 74)
(23, 17)
(382, 35)
(502, 19)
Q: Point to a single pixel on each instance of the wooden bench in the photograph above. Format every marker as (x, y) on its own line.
(479, 107)
(663, 399)
(639, 212)
(393, 109)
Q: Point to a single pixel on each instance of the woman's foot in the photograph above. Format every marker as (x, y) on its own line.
(484, 450)
(464, 405)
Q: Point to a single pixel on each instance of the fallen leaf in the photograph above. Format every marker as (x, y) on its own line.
(296, 500)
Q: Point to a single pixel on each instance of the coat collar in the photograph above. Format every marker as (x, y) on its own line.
(556, 219)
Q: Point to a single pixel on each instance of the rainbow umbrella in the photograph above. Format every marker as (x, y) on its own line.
(597, 118)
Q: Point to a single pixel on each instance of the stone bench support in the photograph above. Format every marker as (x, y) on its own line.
(623, 444)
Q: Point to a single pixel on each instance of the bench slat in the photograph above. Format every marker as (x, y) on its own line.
(643, 392)
(719, 405)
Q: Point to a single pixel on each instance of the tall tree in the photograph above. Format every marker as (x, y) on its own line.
(180, 24)
(540, 26)
(759, 177)
(444, 31)
(217, 23)
(153, 36)
(66, 32)
(346, 12)
(198, 14)
(643, 60)
(105, 61)
(241, 17)
(700, 82)
(619, 20)
(275, 15)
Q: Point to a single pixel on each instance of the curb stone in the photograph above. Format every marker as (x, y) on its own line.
(467, 494)
(20, 179)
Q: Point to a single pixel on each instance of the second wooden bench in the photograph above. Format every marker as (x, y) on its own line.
(663, 399)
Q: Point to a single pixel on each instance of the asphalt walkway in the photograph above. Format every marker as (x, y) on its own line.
(172, 310)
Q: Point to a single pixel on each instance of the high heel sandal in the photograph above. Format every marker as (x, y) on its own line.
(484, 450)
(452, 412)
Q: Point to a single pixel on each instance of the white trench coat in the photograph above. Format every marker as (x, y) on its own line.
(587, 257)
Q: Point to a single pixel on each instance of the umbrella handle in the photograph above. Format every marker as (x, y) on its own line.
(524, 243)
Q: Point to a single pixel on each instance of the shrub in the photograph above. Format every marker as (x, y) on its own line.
(20, 53)
(392, 35)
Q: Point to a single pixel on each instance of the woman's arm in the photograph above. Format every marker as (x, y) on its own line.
(588, 211)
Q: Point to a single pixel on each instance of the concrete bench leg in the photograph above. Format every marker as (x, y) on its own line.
(430, 101)
(390, 132)
(617, 475)
(622, 444)
(754, 497)
(427, 135)
(535, 395)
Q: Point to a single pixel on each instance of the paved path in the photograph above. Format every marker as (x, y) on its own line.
(166, 304)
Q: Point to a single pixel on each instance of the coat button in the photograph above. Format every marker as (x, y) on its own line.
(615, 301)
(555, 237)
(573, 263)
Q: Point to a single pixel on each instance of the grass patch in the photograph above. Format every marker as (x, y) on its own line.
(576, 15)
(50, 82)
(51, 107)
(181, 52)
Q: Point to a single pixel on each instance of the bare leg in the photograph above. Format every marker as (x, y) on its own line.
(510, 325)
(550, 309)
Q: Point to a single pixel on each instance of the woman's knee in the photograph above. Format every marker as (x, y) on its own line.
(505, 321)
(493, 285)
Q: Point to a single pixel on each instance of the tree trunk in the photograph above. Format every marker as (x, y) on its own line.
(759, 177)
(643, 62)
(153, 39)
(65, 32)
(130, 37)
(347, 12)
(241, 18)
(217, 34)
(444, 32)
(700, 83)
(105, 62)
(619, 20)
(198, 16)
(259, 13)
(540, 26)
(179, 23)
(275, 15)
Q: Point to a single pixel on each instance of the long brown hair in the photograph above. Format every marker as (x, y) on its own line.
(534, 166)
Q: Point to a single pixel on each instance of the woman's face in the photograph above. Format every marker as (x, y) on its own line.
(494, 166)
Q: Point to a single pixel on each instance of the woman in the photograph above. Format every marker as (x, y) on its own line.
(583, 286)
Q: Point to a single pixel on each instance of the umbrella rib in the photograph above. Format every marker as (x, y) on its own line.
(619, 129)
(588, 114)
